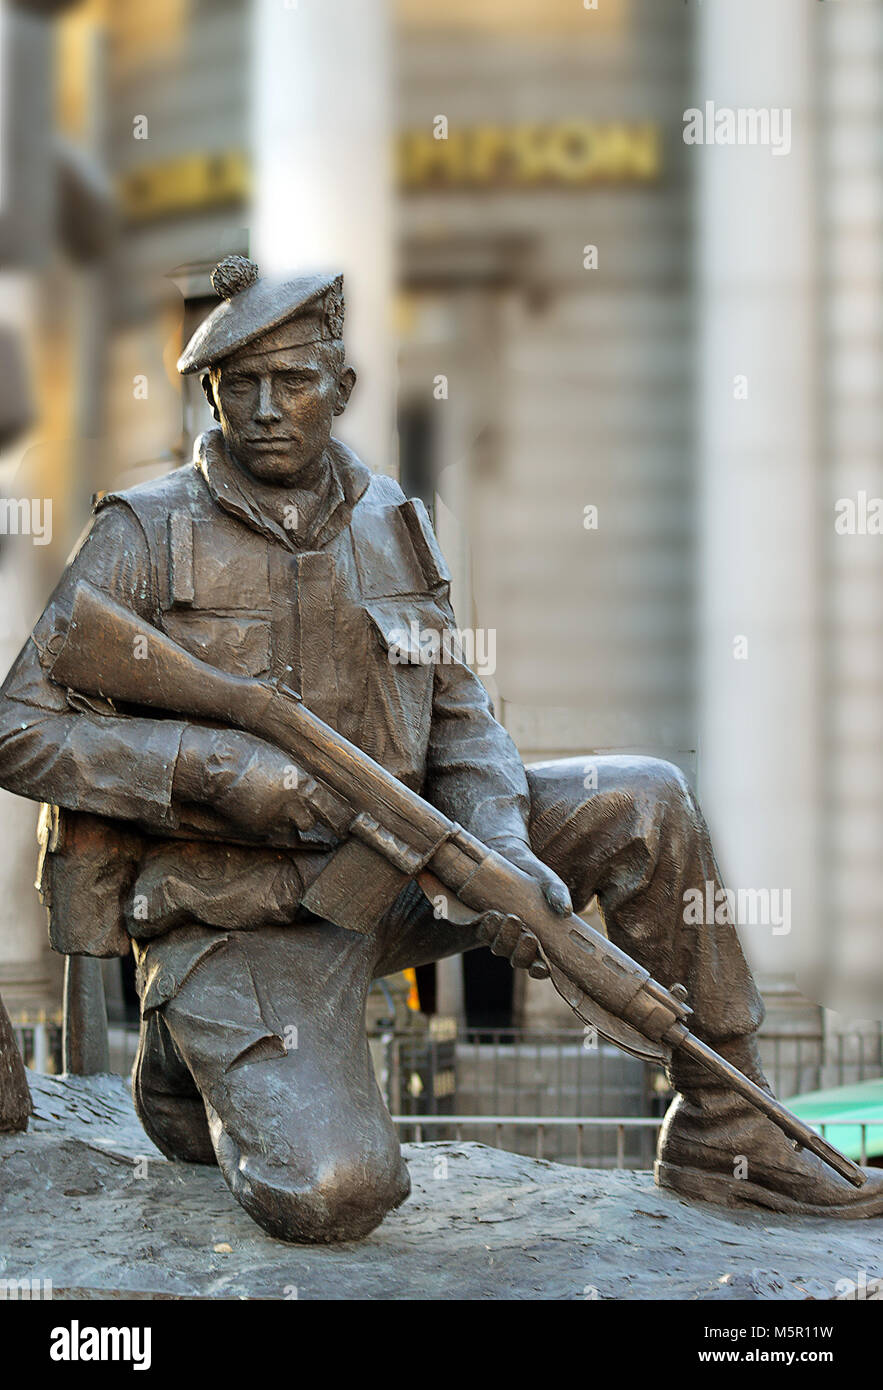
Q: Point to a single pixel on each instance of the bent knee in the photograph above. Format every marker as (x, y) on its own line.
(343, 1200)
(667, 779)
(574, 780)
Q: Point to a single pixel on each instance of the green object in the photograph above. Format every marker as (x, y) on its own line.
(841, 1105)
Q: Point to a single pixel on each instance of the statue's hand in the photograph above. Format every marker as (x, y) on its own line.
(246, 780)
(508, 936)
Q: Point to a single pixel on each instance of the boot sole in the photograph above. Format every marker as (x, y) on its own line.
(724, 1191)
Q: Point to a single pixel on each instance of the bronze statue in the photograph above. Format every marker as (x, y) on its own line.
(219, 814)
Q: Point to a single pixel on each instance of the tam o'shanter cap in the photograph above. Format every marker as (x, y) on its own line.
(311, 307)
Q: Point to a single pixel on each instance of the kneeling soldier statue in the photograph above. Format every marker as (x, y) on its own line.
(252, 779)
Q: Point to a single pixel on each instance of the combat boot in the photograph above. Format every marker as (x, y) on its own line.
(716, 1147)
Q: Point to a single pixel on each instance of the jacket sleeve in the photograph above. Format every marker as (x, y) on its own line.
(61, 748)
(474, 773)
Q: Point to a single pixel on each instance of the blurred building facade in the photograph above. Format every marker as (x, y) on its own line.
(575, 292)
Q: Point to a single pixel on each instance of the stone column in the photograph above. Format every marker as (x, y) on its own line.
(851, 191)
(757, 378)
(322, 147)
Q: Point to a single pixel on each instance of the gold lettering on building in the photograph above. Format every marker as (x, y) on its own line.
(572, 153)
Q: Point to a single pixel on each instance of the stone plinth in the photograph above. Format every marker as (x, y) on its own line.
(87, 1202)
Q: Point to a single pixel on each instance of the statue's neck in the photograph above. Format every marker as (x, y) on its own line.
(308, 491)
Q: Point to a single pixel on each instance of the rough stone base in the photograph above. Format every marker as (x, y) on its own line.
(80, 1206)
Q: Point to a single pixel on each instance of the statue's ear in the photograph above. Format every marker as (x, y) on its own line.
(210, 395)
(345, 383)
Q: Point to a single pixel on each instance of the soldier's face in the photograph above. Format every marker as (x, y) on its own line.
(276, 408)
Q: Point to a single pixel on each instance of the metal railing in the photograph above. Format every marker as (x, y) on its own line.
(562, 1096)
(862, 1125)
(538, 1123)
(525, 1077)
(796, 1063)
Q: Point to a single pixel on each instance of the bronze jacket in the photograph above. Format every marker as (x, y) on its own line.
(194, 554)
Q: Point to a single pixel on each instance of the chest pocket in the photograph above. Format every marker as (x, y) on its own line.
(403, 647)
(219, 596)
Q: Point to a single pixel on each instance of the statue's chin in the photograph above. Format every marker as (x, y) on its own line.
(276, 469)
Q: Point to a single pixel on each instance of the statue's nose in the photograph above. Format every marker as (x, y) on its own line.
(266, 411)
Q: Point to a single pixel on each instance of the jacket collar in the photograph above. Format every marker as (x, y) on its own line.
(228, 485)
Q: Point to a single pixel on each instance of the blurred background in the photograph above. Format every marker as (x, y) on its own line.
(636, 381)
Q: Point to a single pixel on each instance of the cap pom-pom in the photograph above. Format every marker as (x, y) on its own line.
(335, 309)
(232, 275)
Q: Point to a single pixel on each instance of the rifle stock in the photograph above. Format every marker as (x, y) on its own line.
(109, 651)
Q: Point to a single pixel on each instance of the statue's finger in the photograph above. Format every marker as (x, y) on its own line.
(508, 937)
(525, 952)
(557, 896)
(488, 926)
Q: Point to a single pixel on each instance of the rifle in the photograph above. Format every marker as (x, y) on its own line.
(392, 836)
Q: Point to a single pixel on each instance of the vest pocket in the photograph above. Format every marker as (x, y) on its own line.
(400, 678)
(87, 867)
